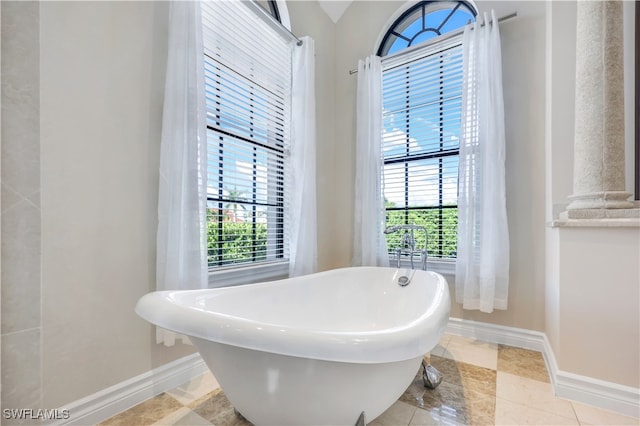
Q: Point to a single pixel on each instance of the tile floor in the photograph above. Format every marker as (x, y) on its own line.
(483, 384)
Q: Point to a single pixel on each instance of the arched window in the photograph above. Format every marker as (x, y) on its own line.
(422, 103)
(423, 21)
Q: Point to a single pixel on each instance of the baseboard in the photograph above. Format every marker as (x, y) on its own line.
(102, 405)
(599, 393)
(499, 334)
(107, 403)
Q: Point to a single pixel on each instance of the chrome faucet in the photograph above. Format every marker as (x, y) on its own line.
(408, 243)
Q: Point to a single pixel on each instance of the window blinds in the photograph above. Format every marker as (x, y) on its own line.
(248, 98)
(422, 95)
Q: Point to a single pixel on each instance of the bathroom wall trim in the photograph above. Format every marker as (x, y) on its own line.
(499, 334)
(588, 390)
(611, 396)
(115, 399)
(104, 404)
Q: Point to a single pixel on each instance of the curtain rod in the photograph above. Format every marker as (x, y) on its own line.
(272, 22)
(438, 39)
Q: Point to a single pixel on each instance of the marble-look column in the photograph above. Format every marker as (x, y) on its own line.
(599, 147)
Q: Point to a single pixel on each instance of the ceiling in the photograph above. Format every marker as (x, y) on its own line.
(334, 8)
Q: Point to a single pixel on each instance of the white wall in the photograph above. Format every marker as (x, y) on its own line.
(102, 81)
(307, 19)
(560, 93)
(599, 300)
(561, 71)
(21, 211)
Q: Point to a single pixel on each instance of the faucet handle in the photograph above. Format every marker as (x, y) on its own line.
(408, 241)
(391, 229)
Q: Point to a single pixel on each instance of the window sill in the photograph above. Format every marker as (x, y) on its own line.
(239, 275)
(233, 276)
(596, 223)
(444, 267)
(598, 218)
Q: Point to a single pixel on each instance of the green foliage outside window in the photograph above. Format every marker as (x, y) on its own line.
(442, 241)
(230, 242)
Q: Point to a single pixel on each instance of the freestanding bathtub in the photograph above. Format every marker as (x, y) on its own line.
(313, 350)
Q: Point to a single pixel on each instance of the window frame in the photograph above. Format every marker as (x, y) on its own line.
(439, 264)
(423, 6)
(276, 265)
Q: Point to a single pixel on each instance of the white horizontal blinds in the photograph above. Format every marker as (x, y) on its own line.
(422, 100)
(248, 96)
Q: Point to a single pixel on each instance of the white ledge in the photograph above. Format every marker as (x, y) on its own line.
(599, 218)
(596, 223)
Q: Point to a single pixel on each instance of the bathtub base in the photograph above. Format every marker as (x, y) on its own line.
(238, 414)
(272, 389)
(431, 377)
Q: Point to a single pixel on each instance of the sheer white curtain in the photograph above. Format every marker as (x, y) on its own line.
(181, 240)
(303, 251)
(369, 245)
(482, 266)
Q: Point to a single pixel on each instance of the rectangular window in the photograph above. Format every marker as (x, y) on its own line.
(248, 98)
(422, 101)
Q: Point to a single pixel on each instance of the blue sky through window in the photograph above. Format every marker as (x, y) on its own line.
(422, 115)
(434, 25)
(422, 101)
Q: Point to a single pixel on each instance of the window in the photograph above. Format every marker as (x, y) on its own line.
(248, 99)
(424, 21)
(422, 101)
(271, 6)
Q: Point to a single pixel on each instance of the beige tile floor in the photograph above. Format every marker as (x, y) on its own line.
(483, 384)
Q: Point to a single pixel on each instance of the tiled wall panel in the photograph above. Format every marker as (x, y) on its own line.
(21, 347)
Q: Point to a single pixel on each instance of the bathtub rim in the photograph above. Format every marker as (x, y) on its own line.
(389, 344)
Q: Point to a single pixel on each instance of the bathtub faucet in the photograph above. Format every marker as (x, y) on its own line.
(407, 244)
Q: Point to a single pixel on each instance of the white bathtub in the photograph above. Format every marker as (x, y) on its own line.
(313, 350)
